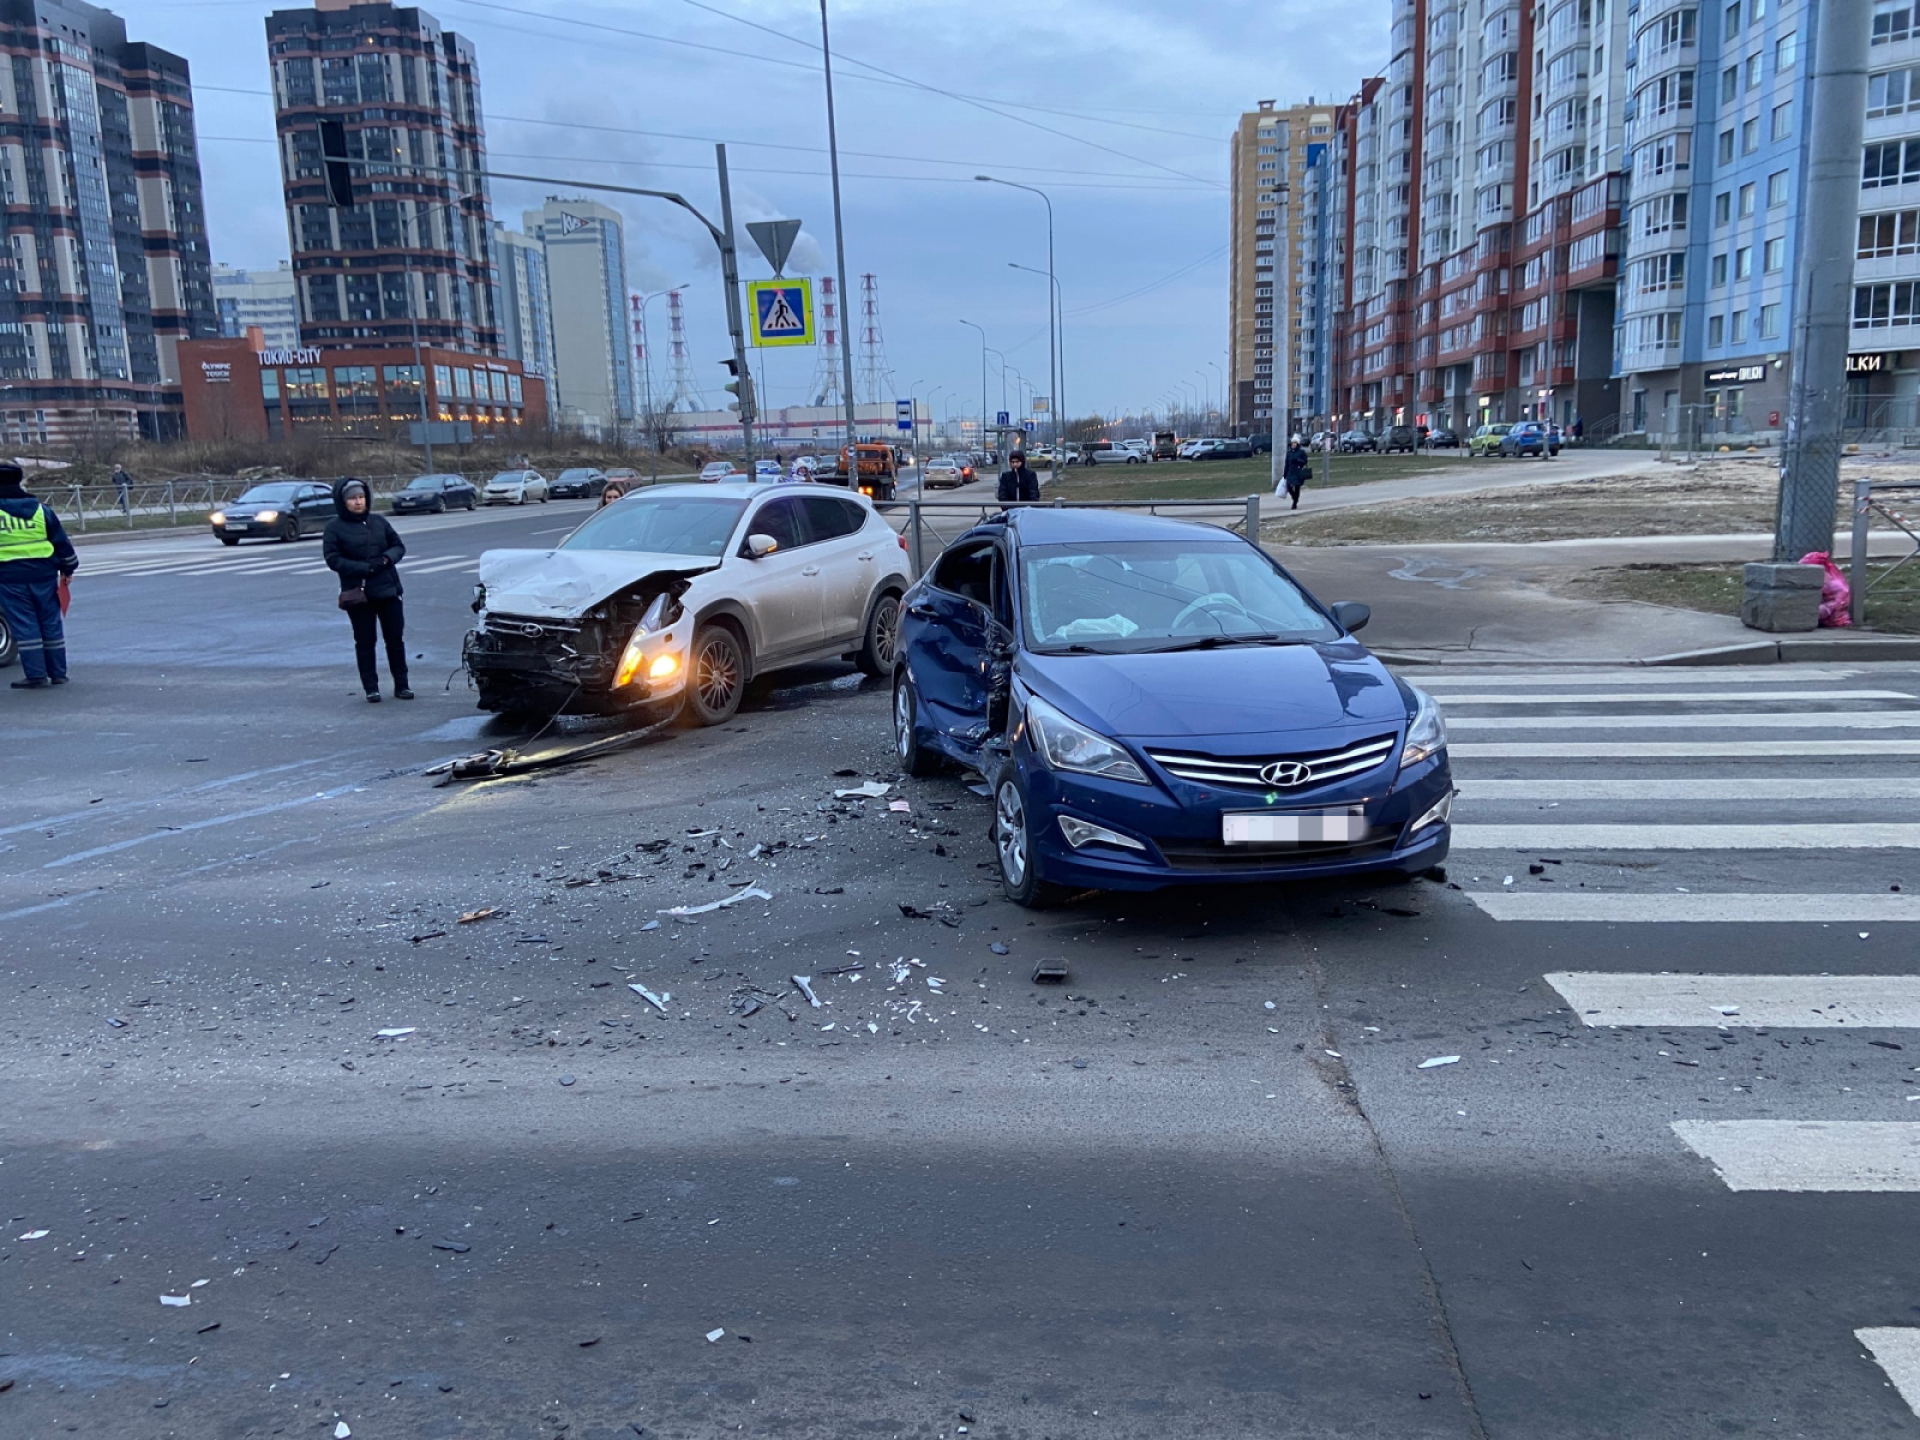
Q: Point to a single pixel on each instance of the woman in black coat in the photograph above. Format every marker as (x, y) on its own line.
(1295, 470)
(363, 549)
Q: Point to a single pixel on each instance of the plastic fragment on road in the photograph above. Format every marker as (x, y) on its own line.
(176, 1300)
(659, 1002)
(342, 1431)
(715, 1336)
(900, 807)
(1726, 1009)
(752, 892)
(804, 984)
(867, 790)
(36, 1235)
(486, 912)
(1050, 972)
(1270, 1005)
(1439, 1060)
(1000, 947)
(395, 1033)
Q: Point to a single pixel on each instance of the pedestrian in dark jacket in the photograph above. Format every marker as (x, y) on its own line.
(363, 549)
(1019, 483)
(1295, 470)
(35, 557)
(123, 484)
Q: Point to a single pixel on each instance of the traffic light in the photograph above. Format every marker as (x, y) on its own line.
(741, 388)
(333, 158)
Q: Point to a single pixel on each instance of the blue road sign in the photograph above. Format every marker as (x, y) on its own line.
(1028, 427)
(903, 414)
(1001, 417)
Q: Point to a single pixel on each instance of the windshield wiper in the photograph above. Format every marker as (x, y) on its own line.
(1214, 642)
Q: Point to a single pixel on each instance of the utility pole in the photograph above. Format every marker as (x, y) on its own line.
(1823, 286)
(730, 277)
(839, 244)
(981, 440)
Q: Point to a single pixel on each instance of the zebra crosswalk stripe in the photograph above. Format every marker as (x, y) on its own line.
(1733, 720)
(1729, 1002)
(1600, 907)
(1791, 836)
(1809, 1156)
(1672, 697)
(1896, 1349)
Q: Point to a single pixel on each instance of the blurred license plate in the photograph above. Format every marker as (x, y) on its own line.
(1327, 825)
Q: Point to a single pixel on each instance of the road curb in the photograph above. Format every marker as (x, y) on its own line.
(1755, 652)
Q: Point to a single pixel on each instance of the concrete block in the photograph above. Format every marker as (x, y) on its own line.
(1764, 575)
(1782, 598)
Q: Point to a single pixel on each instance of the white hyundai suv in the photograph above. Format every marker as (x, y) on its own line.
(681, 594)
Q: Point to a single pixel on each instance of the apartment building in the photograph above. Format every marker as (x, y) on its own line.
(1883, 368)
(1257, 185)
(524, 308)
(260, 300)
(413, 259)
(585, 247)
(105, 265)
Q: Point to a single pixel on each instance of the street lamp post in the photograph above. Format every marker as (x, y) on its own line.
(1059, 375)
(1003, 379)
(1220, 375)
(839, 244)
(1055, 361)
(646, 381)
(983, 380)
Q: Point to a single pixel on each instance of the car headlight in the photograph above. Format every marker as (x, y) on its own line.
(631, 658)
(1068, 745)
(218, 517)
(1426, 730)
(267, 517)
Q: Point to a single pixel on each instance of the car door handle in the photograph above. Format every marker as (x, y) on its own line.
(866, 554)
(810, 570)
(923, 612)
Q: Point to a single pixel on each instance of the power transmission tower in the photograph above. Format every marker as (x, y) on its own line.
(825, 387)
(686, 395)
(876, 380)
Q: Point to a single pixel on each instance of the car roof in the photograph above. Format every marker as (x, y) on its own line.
(746, 489)
(1044, 525)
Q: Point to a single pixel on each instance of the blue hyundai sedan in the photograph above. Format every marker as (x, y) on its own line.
(1158, 703)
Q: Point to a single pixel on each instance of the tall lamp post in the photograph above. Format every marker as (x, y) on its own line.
(646, 380)
(1055, 361)
(839, 240)
(1003, 378)
(1221, 377)
(982, 437)
(1060, 373)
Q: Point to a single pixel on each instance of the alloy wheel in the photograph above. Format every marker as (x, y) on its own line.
(886, 631)
(1010, 832)
(716, 675)
(902, 720)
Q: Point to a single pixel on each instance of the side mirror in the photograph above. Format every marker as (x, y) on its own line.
(761, 546)
(1351, 615)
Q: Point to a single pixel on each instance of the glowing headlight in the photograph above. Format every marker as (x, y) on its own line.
(1067, 745)
(219, 517)
(632, 657)
(266, 517)
(664, 666)
(1426, 731)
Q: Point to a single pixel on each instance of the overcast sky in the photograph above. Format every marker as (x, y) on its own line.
(1120, 109)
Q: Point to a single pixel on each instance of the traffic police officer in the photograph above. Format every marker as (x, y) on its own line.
(34, 554)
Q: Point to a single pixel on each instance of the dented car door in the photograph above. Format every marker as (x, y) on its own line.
(782, 589)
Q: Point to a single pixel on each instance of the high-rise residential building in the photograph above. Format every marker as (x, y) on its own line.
(260, 300)
(585, 246)
(1883, 379)
(1258, 181)
(106, 257)
(412, 261)
(524, 307)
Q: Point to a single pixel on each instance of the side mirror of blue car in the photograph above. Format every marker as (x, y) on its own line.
(1351, 615)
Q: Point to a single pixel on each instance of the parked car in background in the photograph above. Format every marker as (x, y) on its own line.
(1529, 437)
(866, 466)
(1353, 442)
(1234, 447)
(436, 494)
(278, 510)
(941, 473)
(1262, 444)
(1105, 452)
(682, 594)
(719, 470)
(1400, 438)
(1189, 447)
(515, 487)
(584, 482)
(767, 470)
(1143, 447)
(1166, 445)
(625, 476)
(1156, 703)
(1442, 440)
(1486, 440)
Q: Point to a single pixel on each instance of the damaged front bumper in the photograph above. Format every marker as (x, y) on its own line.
(626, 653)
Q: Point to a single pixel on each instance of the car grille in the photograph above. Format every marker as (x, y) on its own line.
(1277, 772)
(1214, 855)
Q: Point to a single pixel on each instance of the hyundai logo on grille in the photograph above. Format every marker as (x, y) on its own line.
(1286, 772)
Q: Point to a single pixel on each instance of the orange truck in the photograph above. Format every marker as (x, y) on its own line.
(873, 463)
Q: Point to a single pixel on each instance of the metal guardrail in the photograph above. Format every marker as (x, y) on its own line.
(942, 521)
(1871, 498)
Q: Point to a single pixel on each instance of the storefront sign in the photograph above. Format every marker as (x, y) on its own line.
(1738, 374)
(304, 355)
(1866, 364)
(216, 373)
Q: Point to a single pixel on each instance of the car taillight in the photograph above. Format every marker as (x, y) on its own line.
(903, 541)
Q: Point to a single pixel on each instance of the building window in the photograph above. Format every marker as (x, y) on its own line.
(1729, 84)
(1755, 70)
(1733, 19)
(1894, 233)
(1726, 147)
(1892, 20)
(1749, 136)
(1716, 331)
(442, 384)
(1894, 162)
(1739, 327)
(1719, 270)
(1722, 208)
(1743, 263)
(1770, 321)
(1878, 307)
(1893, 92)
(1773, 259)
(1783, 120)
(1786, 51)
(1776, 189)
(1747, 197)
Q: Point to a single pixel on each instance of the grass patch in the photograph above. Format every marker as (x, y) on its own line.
(1231, 479)
(1893, 608)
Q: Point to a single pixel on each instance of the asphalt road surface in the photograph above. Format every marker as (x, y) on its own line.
(1209, 1187)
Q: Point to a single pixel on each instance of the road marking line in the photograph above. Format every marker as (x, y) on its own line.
(1663, 697)
(1811, 836)
(1675, 749)
(1623, 907)
(1803, 720)
(1814, 1002)
(1896, 1349)
(1809, 1156)
(1660, 675)
(430, 567)
(1685, 787)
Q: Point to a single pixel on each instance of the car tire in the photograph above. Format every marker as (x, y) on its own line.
(716, 675)
(293, 530)
(1013, 846)
(9, 651)
(543, 497)
(881, 642)
(229, 539)
(470, 503)
(440, 506)
(914, 758)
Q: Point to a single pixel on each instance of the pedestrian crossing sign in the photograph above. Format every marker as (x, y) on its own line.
(782, 311)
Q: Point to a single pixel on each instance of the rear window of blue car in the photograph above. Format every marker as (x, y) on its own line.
(1156, 594)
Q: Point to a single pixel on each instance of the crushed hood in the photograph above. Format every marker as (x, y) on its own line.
(561, 584)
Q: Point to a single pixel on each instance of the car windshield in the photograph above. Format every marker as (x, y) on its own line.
(426, 482)
(508, 477)
(661, 525)
(270, 492)
(576, 474)
(1132, 596)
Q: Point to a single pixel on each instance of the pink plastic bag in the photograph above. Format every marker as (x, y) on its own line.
(1836, 596)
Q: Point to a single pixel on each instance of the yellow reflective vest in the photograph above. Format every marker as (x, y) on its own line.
(25, 539)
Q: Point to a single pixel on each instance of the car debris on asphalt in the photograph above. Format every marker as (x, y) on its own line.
(752, 892)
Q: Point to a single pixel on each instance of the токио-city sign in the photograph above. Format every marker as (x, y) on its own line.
(303, 355)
